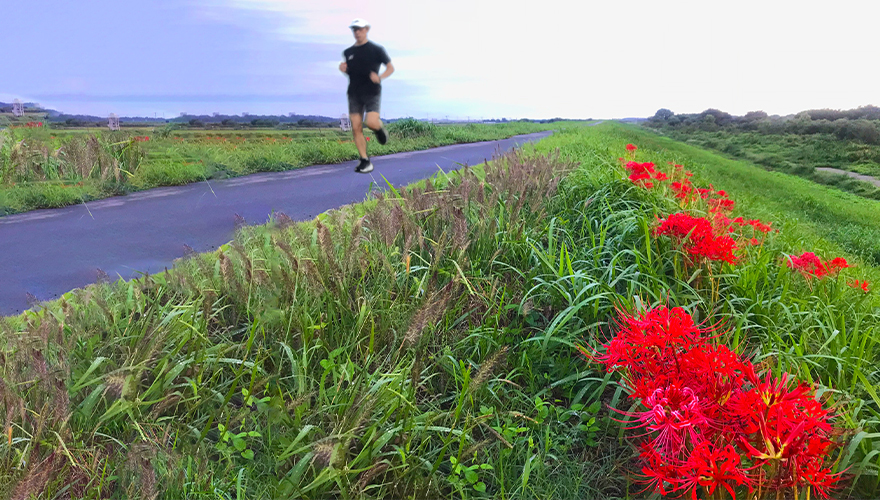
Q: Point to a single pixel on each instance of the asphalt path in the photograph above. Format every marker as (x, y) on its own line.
(46, 253)
(855, 175)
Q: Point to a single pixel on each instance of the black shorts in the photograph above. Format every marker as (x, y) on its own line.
(360, 104)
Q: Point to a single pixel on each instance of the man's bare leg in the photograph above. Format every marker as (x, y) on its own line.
(373, 121)
(375, 124)
(357, 131)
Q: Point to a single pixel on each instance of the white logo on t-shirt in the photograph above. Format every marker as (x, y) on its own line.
(351, 57)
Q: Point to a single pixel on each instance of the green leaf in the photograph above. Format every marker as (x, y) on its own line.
(82, 380)
(481, 487)
(471, 476)
(239, 444)
(248, 454)
(527, 470)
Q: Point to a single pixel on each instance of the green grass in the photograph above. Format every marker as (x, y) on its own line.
(834, 220)
(795, 154)
(39, 166)
(418, 345)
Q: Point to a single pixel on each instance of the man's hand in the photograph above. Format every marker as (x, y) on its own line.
(343, 66)
(375, 77)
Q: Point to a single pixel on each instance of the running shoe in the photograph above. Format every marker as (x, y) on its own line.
(382, 135)
(364, 167)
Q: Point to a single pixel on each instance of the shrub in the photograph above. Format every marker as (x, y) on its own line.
(410, 128)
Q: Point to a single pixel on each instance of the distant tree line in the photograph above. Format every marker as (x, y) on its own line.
(216, 120)
(861, 124)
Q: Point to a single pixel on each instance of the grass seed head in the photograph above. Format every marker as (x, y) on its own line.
(323, 453)
(487, 368)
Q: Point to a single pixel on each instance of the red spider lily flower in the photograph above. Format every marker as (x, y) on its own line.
(704, 409)
(712, 468)
(812, 266)
(704, 193)
(641, 173)
(688, 174)
(658, 474)
(721, 204)
(837, 264)
(646, 337)
(682, 190)
(859, 285)
(722, 193)
(676, 415)
(696, 237)
(819, 479)
(660, 176)
(631, 147)
(808, 264)
(760, 226)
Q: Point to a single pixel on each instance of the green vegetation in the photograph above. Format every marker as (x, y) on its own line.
(420, 345)
(844, 140)
(44, 168)
(836, 220)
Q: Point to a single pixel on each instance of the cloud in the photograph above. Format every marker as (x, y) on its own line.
(558, 57)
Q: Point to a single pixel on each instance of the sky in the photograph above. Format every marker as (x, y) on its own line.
(461, 59)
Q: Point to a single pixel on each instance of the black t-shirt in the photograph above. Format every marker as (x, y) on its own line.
(361, 60)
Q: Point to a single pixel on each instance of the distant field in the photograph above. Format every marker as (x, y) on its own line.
(45, 168)
(835, 219)
(797, 154)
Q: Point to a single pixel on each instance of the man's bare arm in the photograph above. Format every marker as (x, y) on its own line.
(389, 68)
(376, 78)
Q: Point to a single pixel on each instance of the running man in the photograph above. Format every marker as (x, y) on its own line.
(361, 63)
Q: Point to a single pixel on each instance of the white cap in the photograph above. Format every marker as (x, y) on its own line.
(359, 23)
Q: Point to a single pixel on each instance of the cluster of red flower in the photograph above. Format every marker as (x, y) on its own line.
(642, 173)
(708, 420)
(812, 266)
(859, 285)
(708, 239)
(696, 236)
(140, 138)
(28, 125)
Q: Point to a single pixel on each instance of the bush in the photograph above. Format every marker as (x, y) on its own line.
(410, 128)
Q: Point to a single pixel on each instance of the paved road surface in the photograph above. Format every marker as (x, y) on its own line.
(862, 177)
(49, 252)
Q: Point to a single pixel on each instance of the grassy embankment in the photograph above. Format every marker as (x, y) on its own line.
(45, 168)
(420, 345)
(796, 154)
(836, 221)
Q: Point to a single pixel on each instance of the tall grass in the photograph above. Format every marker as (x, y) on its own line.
(419, 345)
